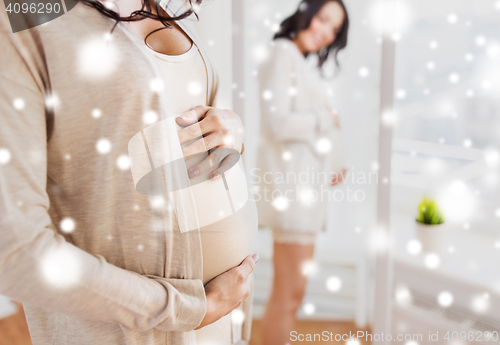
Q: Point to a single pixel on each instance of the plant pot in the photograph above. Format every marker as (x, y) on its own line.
(431, 236)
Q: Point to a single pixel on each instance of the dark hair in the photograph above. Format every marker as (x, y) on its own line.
(143, 13)
(301, 20)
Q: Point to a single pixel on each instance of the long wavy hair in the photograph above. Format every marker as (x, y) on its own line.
(144, 12)
(301, 20)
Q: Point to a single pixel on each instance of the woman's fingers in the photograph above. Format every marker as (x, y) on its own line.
(230, 160)
(248, 265)
(220, 154)
(338, 178)
(202, 145)
(193, 116)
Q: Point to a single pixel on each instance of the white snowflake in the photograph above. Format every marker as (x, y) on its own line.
(364, 72)
(389, 118)
(431, 65)
(309, 308)
(401, 94)
(333, 284)
(445, 299)
(480, 40)
(452, 18)
(309, 267)
(403, 295)
(286, 155)
(103, 146)
(156, 85)
(480, 303)
(237, 316)
(492, 157)
(267, 95)
(259, 53)
(61, 267)
(149, 117)
(157, 202)
(96, 113)
(389, 17)
(432, 260)
(454, 78)
(97, 58)
(123, 162)
(486, 84)
(396, 36)
(307, 196)
(51, 101)
(194, 88)
(18, 103)
(414, 247)
(280, 203)
(67, 225)
(433, 44)
(323, 145)
(4, 156)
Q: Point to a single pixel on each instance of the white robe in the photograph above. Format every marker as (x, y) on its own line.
(299, 143)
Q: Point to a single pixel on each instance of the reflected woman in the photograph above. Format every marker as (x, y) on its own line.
(299, 130)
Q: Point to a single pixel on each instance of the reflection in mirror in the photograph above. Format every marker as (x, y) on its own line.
(338, 291)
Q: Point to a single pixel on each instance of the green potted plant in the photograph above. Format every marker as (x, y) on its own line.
(430, 225)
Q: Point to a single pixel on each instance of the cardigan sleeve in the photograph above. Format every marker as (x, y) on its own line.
(277, 92)
(33, 255)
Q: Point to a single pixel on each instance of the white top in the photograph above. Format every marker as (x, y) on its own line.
(227, 217)
(299, 143)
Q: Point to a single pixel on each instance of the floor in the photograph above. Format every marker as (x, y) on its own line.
(315, 327)
(14, 330)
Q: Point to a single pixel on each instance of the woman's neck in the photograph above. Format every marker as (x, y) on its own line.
(299, 47)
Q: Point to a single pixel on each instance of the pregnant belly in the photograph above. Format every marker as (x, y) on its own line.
(227, 242)
(227, 218)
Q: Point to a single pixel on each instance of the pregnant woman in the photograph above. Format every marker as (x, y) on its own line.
(300, 152)
(89, 246)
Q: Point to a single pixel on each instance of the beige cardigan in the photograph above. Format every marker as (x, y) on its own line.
(294, 117)
(92, 260)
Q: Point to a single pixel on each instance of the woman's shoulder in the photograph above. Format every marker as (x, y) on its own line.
(282, 51)
(283, 46)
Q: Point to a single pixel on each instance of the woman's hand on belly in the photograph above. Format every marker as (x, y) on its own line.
(222, 132)
(227, 291)
(338, 178)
